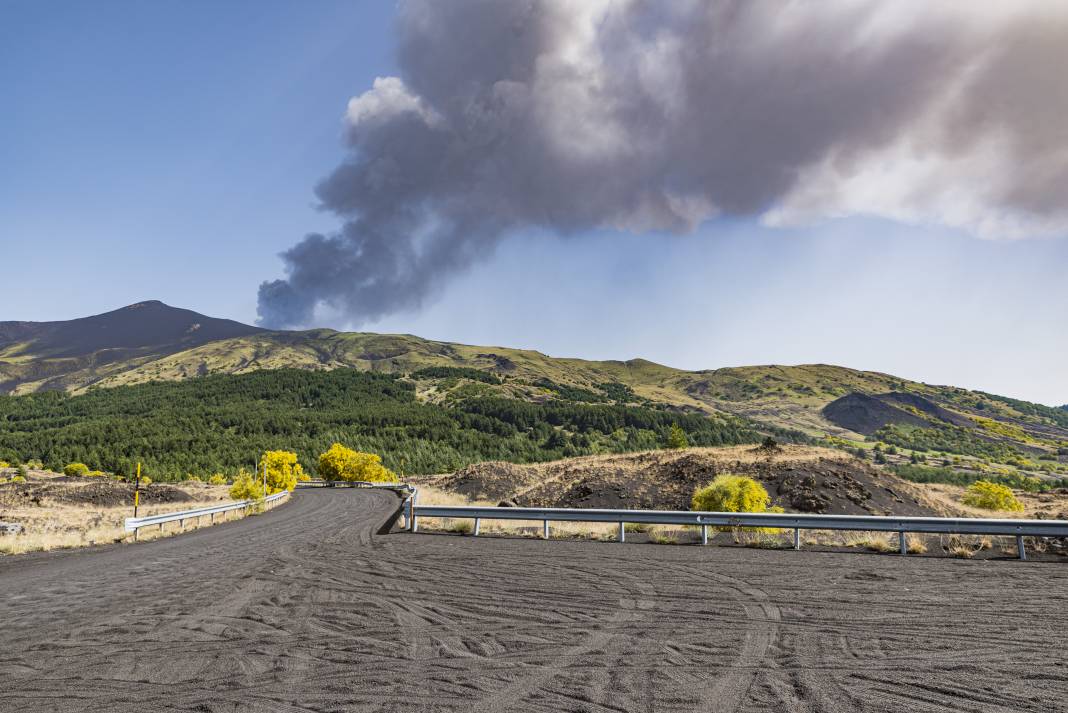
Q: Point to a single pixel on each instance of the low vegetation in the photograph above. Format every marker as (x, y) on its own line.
(277, 471)
(951, 476)
(735, 493)
(991, 496)
(732, 493)
(946, 439)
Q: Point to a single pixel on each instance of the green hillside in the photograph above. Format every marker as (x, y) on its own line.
(221, 423)
(873, 414)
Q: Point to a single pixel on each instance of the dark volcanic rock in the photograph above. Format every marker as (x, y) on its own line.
(867, 414)
(928, 407)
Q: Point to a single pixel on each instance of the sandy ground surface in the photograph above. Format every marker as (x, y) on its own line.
(306, 608)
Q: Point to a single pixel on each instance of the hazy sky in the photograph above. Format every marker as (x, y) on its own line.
(172, 150)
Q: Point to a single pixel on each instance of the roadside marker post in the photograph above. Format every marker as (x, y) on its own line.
(137, 493)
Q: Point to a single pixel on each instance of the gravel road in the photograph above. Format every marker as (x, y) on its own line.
(306, 608)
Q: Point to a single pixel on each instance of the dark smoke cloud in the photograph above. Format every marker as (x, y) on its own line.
(648, 116)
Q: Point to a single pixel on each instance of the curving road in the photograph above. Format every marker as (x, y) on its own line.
(306, 608)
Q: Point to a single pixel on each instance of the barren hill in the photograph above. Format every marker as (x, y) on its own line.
(799, 479)
(77, 352)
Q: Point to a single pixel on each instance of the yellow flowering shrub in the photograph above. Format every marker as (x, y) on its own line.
(731, 493)
(991, 496)
(283, 472)
(246, 487)
(341, 463)
(735, 493)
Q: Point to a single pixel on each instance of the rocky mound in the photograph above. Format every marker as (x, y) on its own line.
(798, 479)
(928, 407)
(492, 480)
(866, 414)
(104, 493)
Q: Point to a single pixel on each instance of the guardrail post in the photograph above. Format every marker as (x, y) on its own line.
(478, 525)
(902, 544)
(544, 529)
(797, 538)
(1020, 547)
(411, 520)
(622, 534)
(704, 534)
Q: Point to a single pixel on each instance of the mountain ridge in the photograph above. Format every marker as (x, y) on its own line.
(151, 341)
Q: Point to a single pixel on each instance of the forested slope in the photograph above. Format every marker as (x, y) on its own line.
(221, 423)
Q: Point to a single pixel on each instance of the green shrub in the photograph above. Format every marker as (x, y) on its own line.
(991, 496)
(75, 469)
(677, 437)
(18, 479)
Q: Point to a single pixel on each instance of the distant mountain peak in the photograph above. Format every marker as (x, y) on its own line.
(144, 329)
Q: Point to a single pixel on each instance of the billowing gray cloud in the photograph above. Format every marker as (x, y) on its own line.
(649, 116)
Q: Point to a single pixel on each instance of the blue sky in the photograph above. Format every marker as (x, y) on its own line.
(170, 151)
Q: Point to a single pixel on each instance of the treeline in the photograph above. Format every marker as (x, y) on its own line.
(222, 423)
(607, 392)
(456, 372)
(1057, 415)
(921, 474)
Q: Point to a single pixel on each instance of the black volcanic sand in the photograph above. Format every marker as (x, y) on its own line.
(306, 609)
(99, 492)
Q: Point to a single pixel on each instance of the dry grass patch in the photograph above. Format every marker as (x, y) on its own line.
(522, 528)
(52, 525)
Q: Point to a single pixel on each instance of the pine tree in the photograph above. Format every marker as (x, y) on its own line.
(677, 437)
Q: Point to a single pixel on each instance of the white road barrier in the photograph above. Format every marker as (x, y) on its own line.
(785, 521)
(133, 524)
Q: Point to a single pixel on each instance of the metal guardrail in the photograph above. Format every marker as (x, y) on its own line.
(133, 524)
(785, 521)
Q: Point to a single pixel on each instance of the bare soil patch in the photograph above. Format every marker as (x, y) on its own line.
(799, 479)
(59, 511)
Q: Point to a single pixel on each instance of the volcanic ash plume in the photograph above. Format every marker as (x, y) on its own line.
(645, 116)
